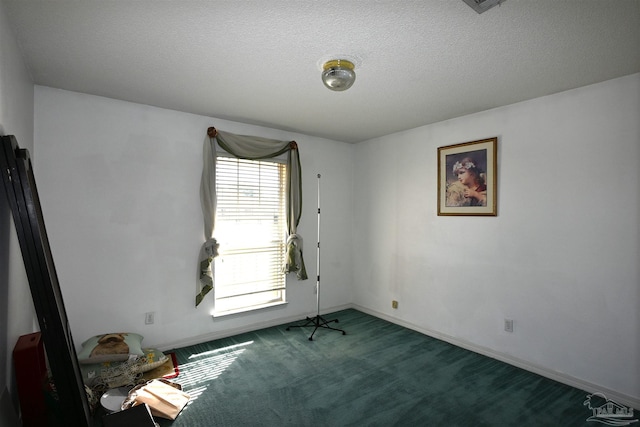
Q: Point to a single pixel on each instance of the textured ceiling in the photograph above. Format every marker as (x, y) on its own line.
(259, 62)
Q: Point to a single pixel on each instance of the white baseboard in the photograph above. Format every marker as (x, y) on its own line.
(517, 362)
(199, 339)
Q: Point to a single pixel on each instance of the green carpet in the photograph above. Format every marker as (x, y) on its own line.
(378, 374)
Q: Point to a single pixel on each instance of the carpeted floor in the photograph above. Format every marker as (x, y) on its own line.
(378, 374)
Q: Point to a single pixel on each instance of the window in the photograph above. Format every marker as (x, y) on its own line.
(251, 229)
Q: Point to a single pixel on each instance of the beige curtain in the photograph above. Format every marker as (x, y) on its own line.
(252, 148)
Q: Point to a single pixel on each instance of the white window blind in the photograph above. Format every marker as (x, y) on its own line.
(251, 229)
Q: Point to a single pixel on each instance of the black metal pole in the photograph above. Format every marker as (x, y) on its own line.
(318, 321)
(318, 253)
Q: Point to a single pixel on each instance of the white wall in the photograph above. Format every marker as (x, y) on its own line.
(119, 186)
(16, 118)
(561, 258)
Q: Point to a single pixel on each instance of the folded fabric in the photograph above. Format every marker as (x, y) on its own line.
(116, 374)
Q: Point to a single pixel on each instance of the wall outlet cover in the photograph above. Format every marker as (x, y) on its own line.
(508, 325)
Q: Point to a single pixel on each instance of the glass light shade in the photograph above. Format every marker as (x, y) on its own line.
(338, 75)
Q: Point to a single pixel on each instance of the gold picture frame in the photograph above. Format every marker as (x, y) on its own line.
(467, 178)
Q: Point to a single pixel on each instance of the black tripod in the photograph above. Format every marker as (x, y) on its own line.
(318, 321)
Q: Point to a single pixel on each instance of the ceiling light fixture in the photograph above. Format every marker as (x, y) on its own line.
(338, 74)
(483, 5)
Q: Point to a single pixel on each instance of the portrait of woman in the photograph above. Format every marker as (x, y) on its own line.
(467, 182)
(466, 185)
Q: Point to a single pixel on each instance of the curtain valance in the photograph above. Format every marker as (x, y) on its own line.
(251, 148)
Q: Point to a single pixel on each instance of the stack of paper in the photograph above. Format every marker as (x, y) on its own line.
(164, 400)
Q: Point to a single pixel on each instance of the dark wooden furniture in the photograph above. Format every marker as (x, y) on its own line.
(22, 194)
(31, 374)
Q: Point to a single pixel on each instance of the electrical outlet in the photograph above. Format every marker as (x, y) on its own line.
(149, 318)
(394, 304)
(508, 325)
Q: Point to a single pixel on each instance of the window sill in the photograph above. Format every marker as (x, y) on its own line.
(215, 314)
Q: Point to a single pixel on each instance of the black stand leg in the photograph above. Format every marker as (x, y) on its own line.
(318, 322)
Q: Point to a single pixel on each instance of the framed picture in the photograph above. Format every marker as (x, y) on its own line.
(467, 178)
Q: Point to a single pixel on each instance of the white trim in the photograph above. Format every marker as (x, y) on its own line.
(218, 315)
(261, 324)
